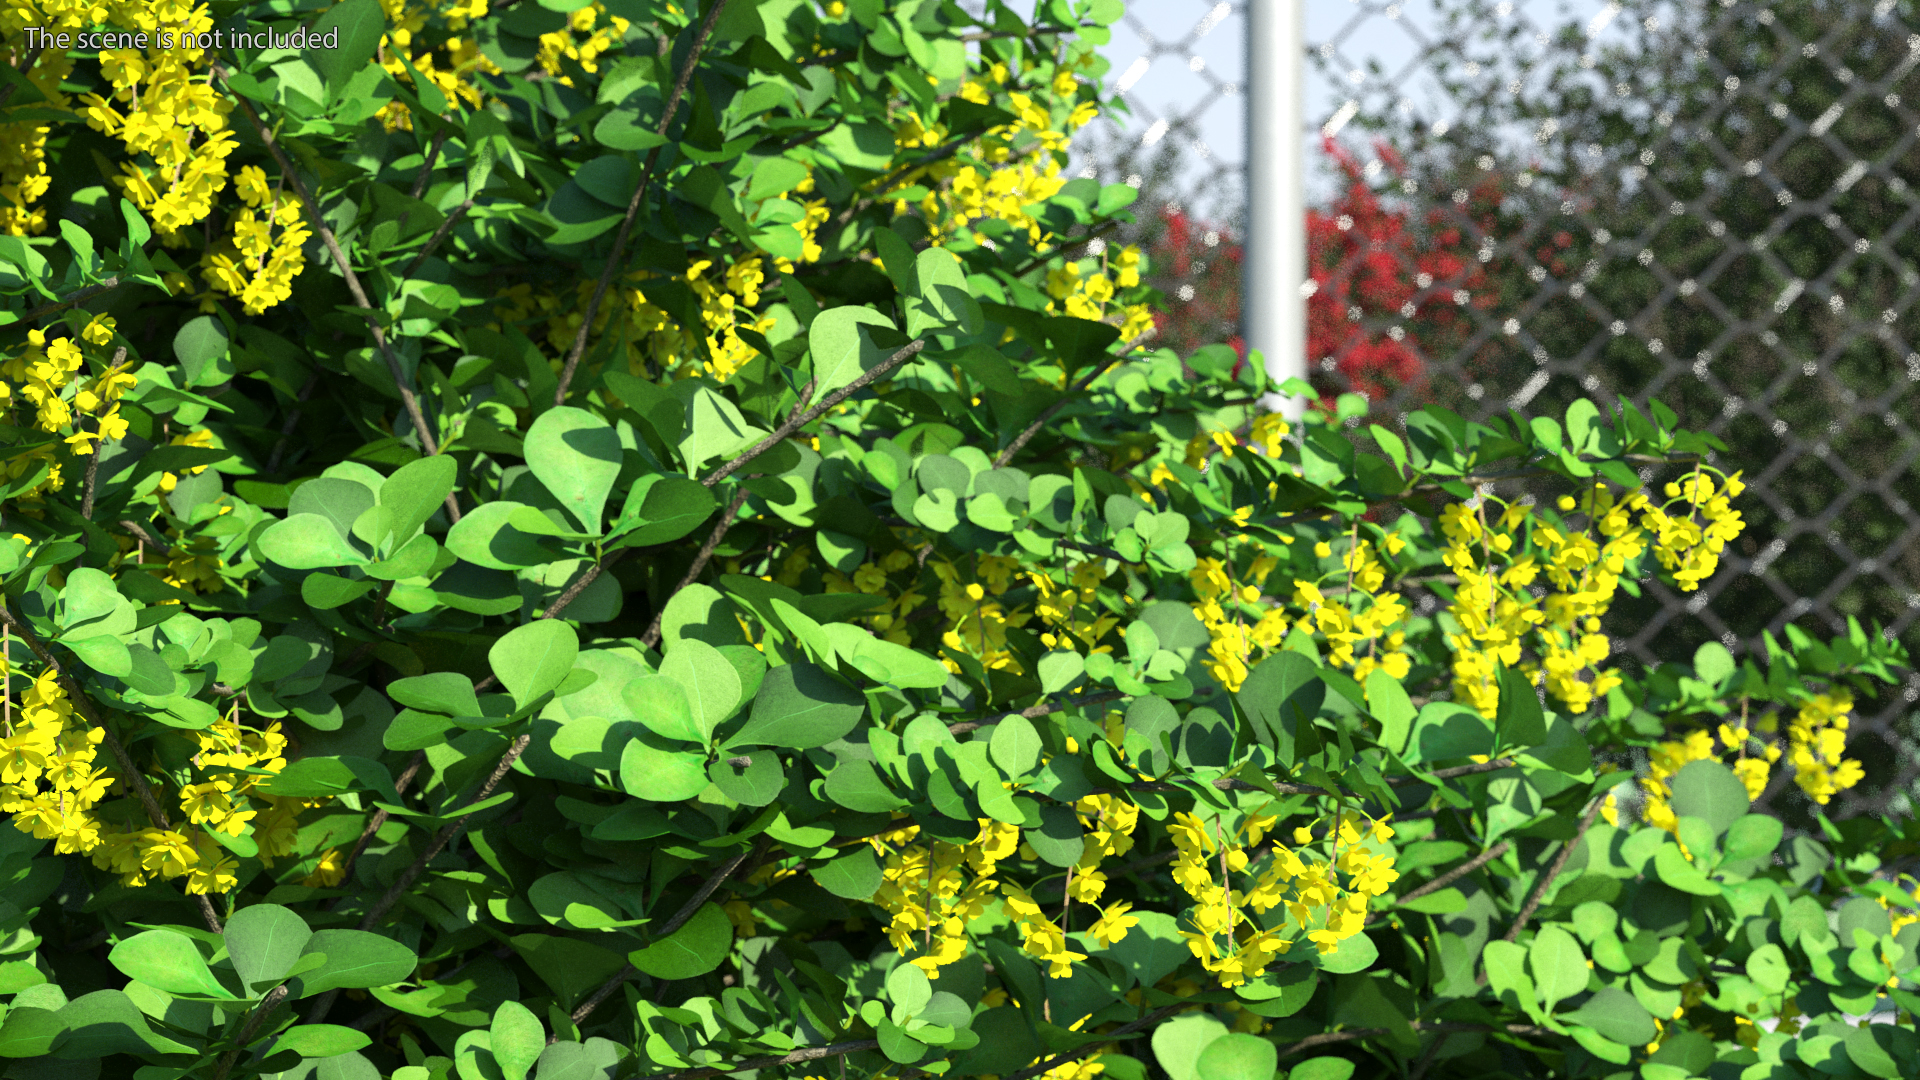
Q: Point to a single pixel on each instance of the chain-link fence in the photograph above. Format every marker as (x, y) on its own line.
(1711, 203)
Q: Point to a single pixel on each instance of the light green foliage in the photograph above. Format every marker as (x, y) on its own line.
(578, 730)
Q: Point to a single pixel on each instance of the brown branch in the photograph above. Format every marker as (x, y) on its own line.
(1077, 1053)
(134, 778)
(1449, 877)
(680, 918)
(801, 419)
(379, 819)
(412, 873)
(267, 1006)
(811, 1053)
(1020, 441)
(1559, 863)
(1288, 788)
(1034, 712)
(652, 637)
(426, 167)
(408, 398)
(633, 205)
(292, 421)
(439, 234)
(147, 538)
(1351, 1034)
(79, 296)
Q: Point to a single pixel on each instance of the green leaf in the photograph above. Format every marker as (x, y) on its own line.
(1322, 1068)
(264, 941)
(517, 1039)
(1387, 700)
(1559, 966)
(594, 1059)
(30, 1032)
(1615, 1014)
(1237, 1056)
(662, 705)
(1768, 968)
(197, 345)
(853, 876)
(1713, 663)
(841, 352)
(504, 536)
(1178, 1043)
(577, 456)
(693, 950)
(530, 660)
(167, 961)
(106, 655)
(308, 542)
(321, 1040)
(355, 960)
(800, 706)
(1016, 745)
(711, 684)
(909, 989)
(351, 31)
(664, 511)
(651, 770)
(941, 299)
(413, 493)
(446, 692)
(1752, 836)
(1520, 721)
(1709, 791)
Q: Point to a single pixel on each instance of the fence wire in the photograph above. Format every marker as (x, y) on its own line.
(1710, 203)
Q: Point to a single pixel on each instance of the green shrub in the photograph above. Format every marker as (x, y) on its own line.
(861, 655)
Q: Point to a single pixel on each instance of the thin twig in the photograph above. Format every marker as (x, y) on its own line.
(408, 398)
(79, 296)
(801, 419)
(1449, 877)
(652, 636)
(292, 421)
(134, 778)
(426, 168)
(680, 918)
(1288, 788)
(1077, 1053)
(1053, 410)
(811, 1053)
(1559, 863)
(633, 205)
(439, 234)
(412, 873)
(267, 1006)
(1034, 712)
(145, 537)
(1351, 1034)
(379, 818)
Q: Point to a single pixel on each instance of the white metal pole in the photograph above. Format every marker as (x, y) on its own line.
(1273, 312)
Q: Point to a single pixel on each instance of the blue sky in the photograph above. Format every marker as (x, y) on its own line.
(1187, 57)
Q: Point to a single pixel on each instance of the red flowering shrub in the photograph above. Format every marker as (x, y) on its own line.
(1370, 265)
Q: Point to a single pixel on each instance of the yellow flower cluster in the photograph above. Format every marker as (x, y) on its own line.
(871, 578)
(590, 32)
(925, 888)
(1816, 746)
(464, 58)
(1498, 615)
(978, 625)
(258, 263)
(1226, 939)
(47, 376)
(166, 112)
(1085, 294)
(223, 801)
(48, 781)
(1072, 620)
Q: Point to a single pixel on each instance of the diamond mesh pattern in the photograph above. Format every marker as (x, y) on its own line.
(1731, 185)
